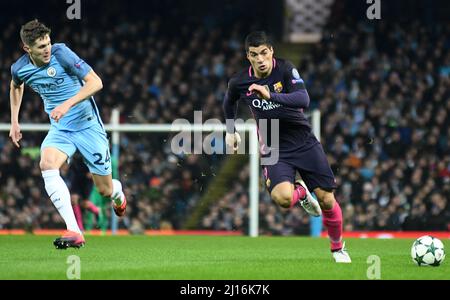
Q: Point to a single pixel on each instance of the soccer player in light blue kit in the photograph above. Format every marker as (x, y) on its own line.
(66, 84)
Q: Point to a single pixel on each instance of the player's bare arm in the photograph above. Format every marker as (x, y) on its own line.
(93, 84)
(15, 94)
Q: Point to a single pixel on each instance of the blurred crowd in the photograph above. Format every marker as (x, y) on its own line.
(384, 94)
(385, 97)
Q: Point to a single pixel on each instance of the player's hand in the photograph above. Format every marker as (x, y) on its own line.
(15, 134)
(261, 91)
(233, 140)
(58, 112)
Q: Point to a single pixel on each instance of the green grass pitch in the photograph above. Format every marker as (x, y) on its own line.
(208, 257)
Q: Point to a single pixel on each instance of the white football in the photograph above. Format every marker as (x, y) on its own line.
(428, 251)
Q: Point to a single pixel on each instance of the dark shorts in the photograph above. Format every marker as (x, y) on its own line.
(311, 164)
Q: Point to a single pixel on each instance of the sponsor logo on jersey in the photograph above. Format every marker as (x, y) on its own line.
(265, 105)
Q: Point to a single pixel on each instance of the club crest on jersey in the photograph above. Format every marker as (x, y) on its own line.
(51, 72)
(278, 87)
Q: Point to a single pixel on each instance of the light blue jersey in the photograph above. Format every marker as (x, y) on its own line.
(56, 82)
(81, 128)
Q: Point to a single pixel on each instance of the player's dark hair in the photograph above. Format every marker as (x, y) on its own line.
(256, 39)
(32, 31)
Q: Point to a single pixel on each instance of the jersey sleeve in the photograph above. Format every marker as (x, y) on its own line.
(71, 62)
(295, 95)
(230, 104)
(292, 78)
(15, 77)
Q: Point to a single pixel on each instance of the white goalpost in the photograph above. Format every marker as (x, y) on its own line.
(116, 128)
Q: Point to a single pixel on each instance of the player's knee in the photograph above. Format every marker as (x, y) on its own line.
(327, 201)
(283, 198)
(105, 190)
(48, 164)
